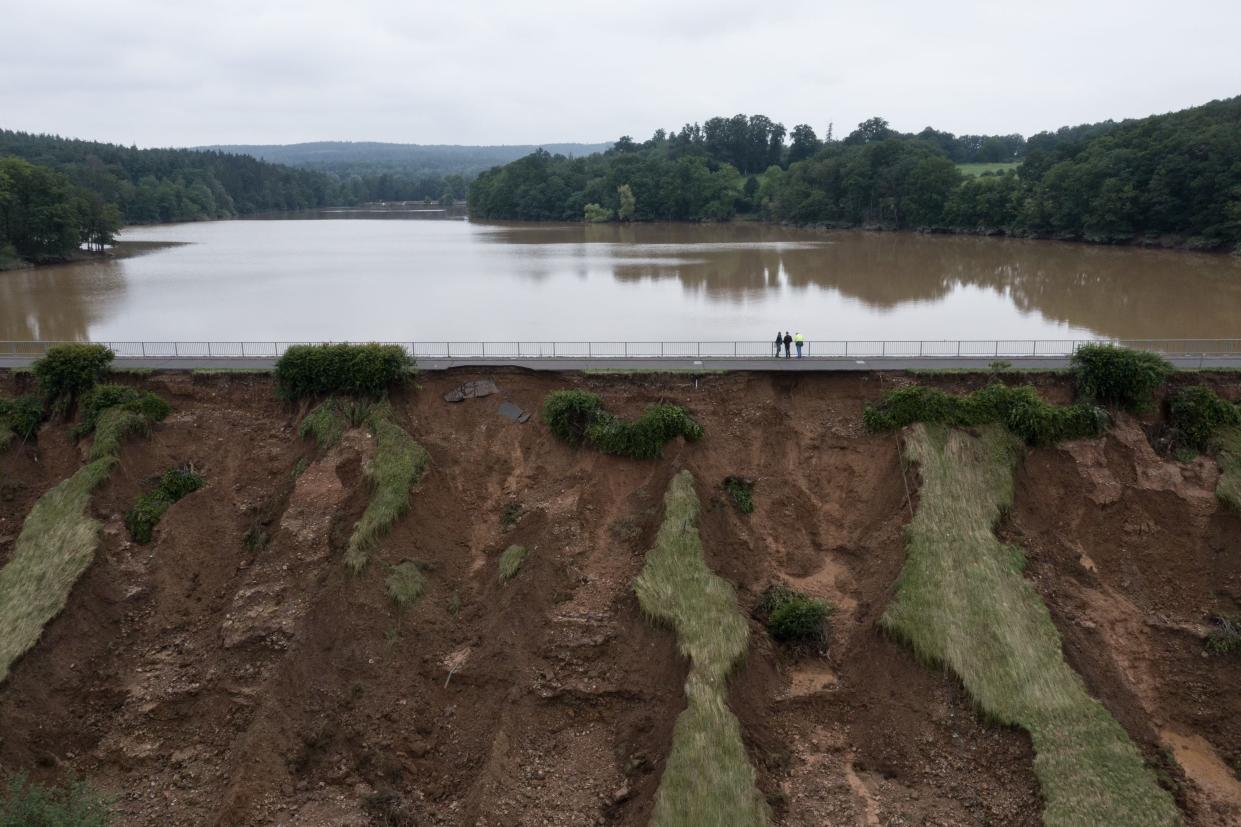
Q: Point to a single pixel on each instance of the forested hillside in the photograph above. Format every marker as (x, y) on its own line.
(151, 185)
(1172, 178)
(372, 171)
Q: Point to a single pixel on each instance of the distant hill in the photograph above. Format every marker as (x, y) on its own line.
(347, 158)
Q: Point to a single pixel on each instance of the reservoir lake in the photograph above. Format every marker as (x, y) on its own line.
(351, 275)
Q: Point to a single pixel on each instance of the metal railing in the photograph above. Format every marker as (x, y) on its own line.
(817, 349)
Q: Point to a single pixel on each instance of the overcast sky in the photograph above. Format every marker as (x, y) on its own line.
(169, 72)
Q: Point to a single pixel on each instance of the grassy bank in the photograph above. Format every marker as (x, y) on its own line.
(962, 602)
(398, 464)
(59, 538)
(708, 778)
(1228, 454)
(55, 547)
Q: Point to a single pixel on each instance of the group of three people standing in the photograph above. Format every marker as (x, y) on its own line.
(787, 340)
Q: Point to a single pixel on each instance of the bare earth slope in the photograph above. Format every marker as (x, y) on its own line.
(234, 672)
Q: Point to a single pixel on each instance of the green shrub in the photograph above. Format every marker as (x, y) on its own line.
(1019, 409)
(570, 413)
(131, 400)
(1195, 413)
(147, 511)
(510, 562)
(26, 804)
(741, 491)
(1113, 375)
(1225, 637)
(577, 417)
(643, 438)
(792, 617)
(20, 416)
(363, 370)
(511, 514)
(68, 371)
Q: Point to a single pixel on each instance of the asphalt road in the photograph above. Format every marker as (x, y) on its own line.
(663, 364)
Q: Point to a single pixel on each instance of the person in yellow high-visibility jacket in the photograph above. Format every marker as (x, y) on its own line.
(799, 340)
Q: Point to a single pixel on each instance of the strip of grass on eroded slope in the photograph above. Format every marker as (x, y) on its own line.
(56, 544)
(962, 601)
(708, 778)
(398, 464)
(1228, 455)
(326, 423)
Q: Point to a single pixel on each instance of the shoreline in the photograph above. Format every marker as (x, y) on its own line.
(121, 249)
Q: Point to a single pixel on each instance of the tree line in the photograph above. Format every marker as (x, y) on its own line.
(373, 171)
(1170, 179)
(60, 195)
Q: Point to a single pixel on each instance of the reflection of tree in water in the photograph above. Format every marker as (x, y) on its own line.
(1116, 291)
(57, 303)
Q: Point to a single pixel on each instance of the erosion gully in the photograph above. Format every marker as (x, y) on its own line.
(208, 678)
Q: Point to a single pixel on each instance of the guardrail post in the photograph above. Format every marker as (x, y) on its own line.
(958, 347)
(590, 350)
(734, 348)
(144, 348)
(243, 350)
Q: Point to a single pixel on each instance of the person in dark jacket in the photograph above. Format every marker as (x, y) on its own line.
(788, 342)
(779, 342)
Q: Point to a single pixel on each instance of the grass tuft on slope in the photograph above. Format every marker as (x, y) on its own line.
(510, 562)
(708, 778)
(398, 464)
(962, 601)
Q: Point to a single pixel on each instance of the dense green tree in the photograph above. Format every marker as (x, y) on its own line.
(869, 131)
(43, 215)
(804, 143)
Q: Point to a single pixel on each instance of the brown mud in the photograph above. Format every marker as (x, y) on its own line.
(233, 672)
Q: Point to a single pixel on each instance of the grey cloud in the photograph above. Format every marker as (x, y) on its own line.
(180, 73)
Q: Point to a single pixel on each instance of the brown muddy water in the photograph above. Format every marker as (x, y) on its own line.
(347, 276)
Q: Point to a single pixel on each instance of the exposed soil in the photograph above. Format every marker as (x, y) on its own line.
(233, 672)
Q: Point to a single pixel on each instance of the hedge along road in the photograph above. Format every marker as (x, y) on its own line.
(656, 364)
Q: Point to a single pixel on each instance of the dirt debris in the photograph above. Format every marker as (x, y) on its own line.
(206, 682)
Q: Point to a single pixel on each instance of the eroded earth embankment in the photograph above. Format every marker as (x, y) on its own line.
(235, 672)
